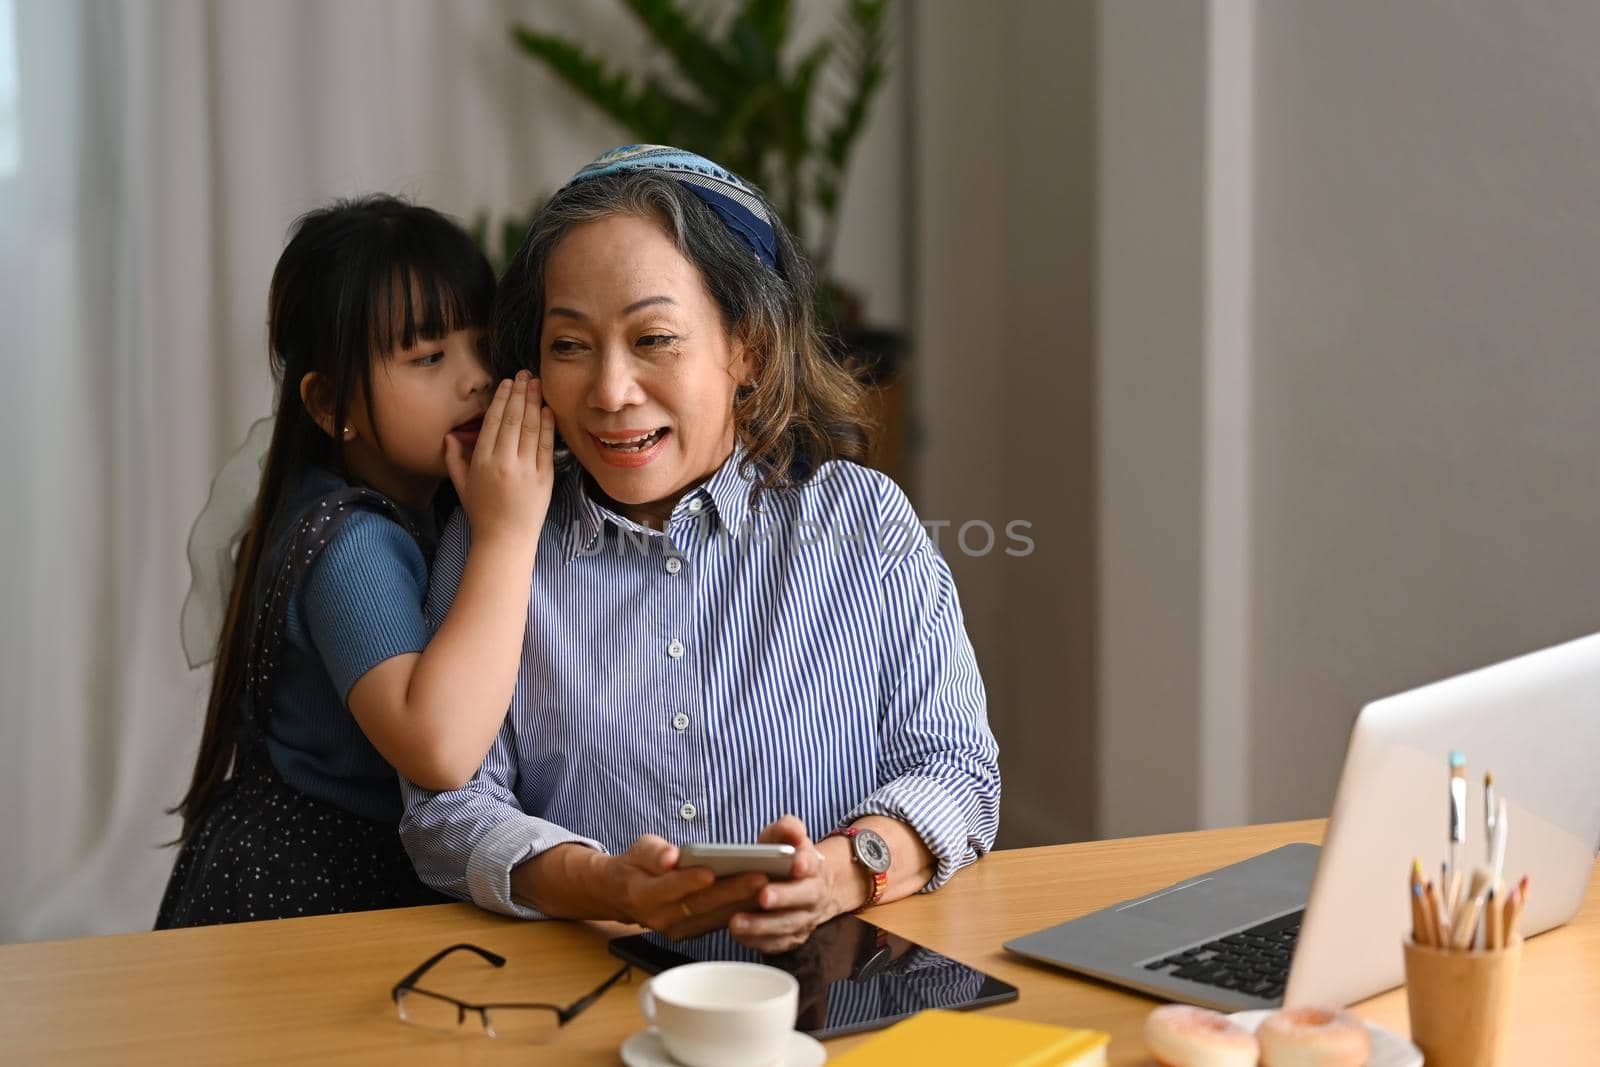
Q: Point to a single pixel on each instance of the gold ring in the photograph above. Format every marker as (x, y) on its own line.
(685, 906)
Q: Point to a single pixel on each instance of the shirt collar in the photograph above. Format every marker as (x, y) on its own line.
(727, 496)
(581, 524)
(730, 493)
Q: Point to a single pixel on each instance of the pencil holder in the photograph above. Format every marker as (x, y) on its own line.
(1460, 1003)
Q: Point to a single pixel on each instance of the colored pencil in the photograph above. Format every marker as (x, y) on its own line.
(1465, 925)
(1419, 922)
(1439, 923)
(1518, 904)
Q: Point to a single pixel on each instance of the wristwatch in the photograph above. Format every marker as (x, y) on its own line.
(868, 848)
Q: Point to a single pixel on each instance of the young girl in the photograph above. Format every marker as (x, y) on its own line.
(327, 678)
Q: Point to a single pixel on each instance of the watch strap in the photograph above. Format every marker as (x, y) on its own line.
(879, 879)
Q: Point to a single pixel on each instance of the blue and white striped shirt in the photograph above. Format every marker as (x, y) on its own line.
(799, 652)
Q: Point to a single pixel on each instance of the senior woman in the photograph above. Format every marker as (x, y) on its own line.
(736, 632)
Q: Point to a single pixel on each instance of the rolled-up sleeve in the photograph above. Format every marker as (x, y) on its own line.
(467, 841)
(939, 763)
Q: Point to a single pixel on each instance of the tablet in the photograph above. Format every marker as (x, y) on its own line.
(853, 975)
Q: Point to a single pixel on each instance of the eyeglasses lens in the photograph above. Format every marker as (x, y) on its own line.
(428, 1012)
(522, 1024)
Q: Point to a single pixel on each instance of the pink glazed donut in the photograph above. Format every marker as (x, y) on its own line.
(1314, 1037)
(1178, 1035)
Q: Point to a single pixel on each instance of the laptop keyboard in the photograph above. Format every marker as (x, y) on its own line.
(1254, 961)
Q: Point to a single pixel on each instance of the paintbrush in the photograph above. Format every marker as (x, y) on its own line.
(1497, 840)
(1458, 817)
(1488, 806)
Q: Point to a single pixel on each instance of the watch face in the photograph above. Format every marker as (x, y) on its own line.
(872, 850)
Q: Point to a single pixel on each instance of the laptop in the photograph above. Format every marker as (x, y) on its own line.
(1304, 925)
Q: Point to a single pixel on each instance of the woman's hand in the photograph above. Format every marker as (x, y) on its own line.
(816, 891)
(650, 890)
(505, 484)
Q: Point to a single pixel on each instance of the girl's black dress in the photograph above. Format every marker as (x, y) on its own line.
(262, 849)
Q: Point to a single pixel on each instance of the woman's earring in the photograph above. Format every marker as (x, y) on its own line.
(349, 432)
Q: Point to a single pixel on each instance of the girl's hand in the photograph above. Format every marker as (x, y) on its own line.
(789, 911)
(506, 484)
(650, 890)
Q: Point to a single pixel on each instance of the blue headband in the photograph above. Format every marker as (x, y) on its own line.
(738, 205)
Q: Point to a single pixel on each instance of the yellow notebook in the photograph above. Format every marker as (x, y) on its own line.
(973, 1040)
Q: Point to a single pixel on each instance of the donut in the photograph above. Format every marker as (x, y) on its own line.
(1178, 1035)
(1313, 1037)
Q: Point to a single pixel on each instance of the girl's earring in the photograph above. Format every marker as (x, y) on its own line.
(349, 432)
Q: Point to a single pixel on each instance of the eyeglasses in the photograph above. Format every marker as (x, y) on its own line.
(518, 1022)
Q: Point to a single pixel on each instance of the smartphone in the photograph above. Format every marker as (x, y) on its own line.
(774, 861)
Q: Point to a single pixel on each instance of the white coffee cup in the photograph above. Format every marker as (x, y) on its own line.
(722, 1014)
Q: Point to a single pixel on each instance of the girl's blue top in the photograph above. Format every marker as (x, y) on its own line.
(359, 604)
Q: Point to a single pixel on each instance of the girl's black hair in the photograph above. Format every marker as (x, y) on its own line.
(359, 279)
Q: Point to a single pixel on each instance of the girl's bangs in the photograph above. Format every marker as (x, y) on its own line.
(421, 293)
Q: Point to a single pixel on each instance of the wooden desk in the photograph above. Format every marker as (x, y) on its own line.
(317, 990)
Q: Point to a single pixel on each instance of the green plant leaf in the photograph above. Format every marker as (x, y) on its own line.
(512, 230)
(798, 97)
(756, 36)
(734, 140)
(825, 191)
(864, 47)
(703, 62)
(730, 96)
(610, 91)
(478, 230)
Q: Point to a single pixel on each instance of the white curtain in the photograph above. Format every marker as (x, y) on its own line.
(152, 155)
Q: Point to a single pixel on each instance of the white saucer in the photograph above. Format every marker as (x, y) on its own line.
(1388, 1050)
(645, 1049)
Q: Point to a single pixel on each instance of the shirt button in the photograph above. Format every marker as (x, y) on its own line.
(674, 565)
(687, 811)
(695, 505)
(675, 649)
(680, 722)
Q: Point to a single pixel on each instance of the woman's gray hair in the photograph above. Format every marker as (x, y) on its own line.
(802, 407)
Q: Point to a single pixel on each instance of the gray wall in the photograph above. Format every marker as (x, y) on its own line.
(1003, 132)
(1279, 317)
(1428, 389)
(1150, 368)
